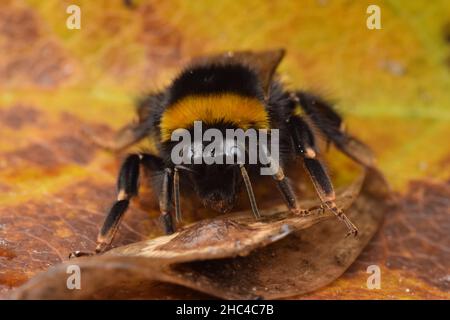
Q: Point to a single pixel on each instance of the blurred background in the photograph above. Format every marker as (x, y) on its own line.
(392, 85)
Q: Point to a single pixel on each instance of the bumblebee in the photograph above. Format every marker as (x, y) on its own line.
(231, 90)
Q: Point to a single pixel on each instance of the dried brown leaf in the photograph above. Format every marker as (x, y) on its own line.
(231, 256)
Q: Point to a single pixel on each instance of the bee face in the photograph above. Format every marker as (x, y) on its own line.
(216, 185)
(213, 173)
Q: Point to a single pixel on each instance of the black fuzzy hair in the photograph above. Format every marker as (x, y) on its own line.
(216, 78)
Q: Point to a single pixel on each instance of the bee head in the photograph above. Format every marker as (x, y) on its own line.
(215, 180)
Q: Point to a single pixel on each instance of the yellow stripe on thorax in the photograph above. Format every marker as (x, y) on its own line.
(244, 112)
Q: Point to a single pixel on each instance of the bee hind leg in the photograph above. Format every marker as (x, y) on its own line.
(330, 123)
(325, 190)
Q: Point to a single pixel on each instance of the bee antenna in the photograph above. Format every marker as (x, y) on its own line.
(176, 193)
(251, 195)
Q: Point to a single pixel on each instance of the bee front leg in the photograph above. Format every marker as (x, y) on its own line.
(165, 189)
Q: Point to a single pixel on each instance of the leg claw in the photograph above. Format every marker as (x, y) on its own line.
(321, 209)
(352, 232)
(77, 254)
(300, 212)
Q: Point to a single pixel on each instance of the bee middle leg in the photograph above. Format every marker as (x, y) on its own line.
(304, 144)
(288, 193)
(283, 184)
(128, 183)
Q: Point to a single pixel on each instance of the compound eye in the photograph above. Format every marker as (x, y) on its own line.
(195, 153)
(212, 153)
(232, 149)
(190, 152)
(235, 151)
(186, 151)
(187, 154)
